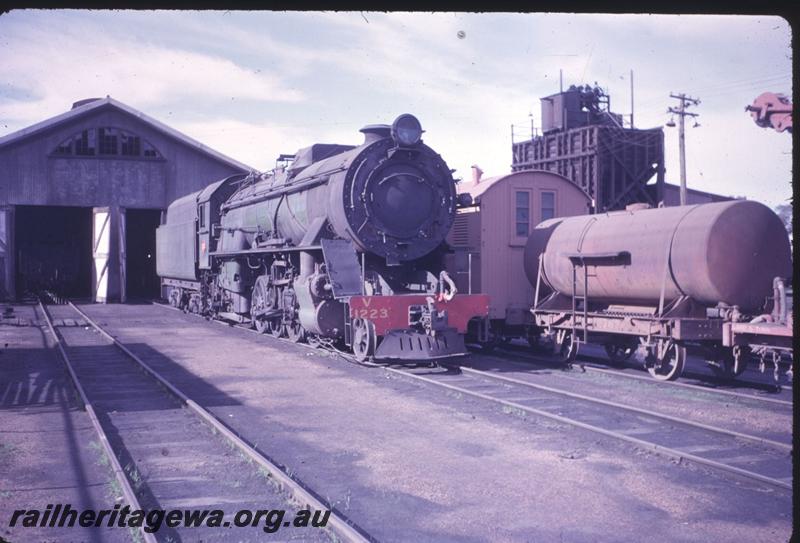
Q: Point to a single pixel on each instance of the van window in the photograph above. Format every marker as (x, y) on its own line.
(523, 213)
(548, 205)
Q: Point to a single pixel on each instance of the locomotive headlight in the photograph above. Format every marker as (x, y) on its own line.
(406, 130)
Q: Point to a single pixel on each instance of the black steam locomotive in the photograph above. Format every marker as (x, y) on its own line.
(339, 242)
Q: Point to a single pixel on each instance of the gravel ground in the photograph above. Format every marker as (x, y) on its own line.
(746, 415)
(407, 461)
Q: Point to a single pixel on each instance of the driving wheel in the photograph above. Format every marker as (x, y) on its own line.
(364, 339)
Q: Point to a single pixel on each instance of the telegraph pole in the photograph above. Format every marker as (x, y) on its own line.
(685, 101)
(631, 98)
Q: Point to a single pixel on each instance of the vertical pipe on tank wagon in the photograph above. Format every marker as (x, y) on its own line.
(469, 273)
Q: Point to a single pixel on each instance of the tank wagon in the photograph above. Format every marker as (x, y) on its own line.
(667, 281)
(340, 243)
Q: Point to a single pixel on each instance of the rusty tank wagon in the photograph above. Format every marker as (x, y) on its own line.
(666, 281)
(341, 243)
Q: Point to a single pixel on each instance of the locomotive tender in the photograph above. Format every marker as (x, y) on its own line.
(707, 278)
(342, 242)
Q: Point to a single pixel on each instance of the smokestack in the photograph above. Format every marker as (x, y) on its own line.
(375, 132)
(476, 174)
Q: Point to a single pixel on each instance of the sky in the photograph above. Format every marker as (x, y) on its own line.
(253, 85)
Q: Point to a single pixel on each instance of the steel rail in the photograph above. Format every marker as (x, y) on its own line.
(690, 385)
(654, 414)
(675, 453)
(339, 524)
(119, 473)
(654, 382)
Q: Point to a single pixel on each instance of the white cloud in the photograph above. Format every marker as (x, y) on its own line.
(58, 67)
(259, 144)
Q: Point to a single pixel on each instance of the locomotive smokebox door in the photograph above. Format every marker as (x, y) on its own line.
(343, 269)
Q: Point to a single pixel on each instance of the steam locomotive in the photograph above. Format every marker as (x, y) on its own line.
(707, 279)
(338, 243)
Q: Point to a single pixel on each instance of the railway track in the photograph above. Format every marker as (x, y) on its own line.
(751, 457)
(123, 395)
(588, 362)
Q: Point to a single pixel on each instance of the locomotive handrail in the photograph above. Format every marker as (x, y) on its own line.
(265, 250)
(320, 178)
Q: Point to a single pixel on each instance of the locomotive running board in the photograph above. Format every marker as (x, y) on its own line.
(343, 269)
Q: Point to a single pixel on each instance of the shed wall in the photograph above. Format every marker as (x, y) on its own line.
(31, 175)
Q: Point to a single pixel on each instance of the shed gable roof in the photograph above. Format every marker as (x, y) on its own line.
(94, 105)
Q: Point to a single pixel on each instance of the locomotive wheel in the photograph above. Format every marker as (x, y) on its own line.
(364, 339)
(619, 353)
(295, 332)
(275, 327)
(260, 325)
(260, 300)
(670, 366)
(565, 347)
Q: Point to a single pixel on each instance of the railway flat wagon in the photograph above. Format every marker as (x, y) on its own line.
(488, 239)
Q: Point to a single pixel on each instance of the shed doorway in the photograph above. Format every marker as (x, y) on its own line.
(141, 280)
(53, 246)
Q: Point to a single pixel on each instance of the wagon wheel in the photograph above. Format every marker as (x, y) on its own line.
(489, 346)
(175, 297)
(532, 336)
(295, 331)
(565, 347)
(619, 353)
(725, 366)
(669, 365)
(364, 339)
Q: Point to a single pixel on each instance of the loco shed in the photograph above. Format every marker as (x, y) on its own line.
(342, 243)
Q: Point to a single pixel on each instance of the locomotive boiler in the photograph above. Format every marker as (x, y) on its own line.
(340, 243)
(667, 279)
